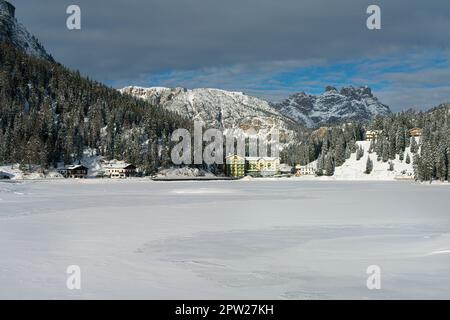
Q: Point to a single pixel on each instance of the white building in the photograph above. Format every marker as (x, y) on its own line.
(120, 170)
(307, 170)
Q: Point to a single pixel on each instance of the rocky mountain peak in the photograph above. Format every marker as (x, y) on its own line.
(13, 32)
(332, 106)
(330, 89)
(359, 92)
(8, 8)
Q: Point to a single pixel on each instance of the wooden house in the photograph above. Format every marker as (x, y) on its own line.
(415, 132)
(73, 171)
(76, 172)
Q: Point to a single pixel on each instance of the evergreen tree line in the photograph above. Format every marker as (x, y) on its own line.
(432, 162)
(330, 146)
(430, 152)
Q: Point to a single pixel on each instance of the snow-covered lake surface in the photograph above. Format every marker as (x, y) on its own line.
(227, 239)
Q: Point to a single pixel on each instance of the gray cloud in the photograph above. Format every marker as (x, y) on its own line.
(127, 41)
(421, 78)
(415, 98)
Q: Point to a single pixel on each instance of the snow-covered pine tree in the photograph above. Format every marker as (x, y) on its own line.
(385, 150)
(400, 143)
(441, 167)
(329, 165)
(348, 152)
(359, 153)
(379, 146)
(369, 166)
(408, 159)
(339, 149)
(320, 164)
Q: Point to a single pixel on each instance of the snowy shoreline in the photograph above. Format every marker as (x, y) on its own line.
(299, 180)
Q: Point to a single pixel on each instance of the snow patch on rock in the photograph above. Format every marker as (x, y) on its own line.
(348, 104)
(217, 108)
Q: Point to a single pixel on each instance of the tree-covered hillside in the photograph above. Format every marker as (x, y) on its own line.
(332, 145)
(433, 161)
(49, 114)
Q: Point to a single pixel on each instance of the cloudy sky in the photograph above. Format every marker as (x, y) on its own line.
(267, 48)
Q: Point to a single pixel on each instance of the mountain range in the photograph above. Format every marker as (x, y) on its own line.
(227, 109)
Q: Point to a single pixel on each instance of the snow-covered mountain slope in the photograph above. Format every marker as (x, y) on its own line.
(13, 32)
(354, 169)
(216, 108)
(333, 106)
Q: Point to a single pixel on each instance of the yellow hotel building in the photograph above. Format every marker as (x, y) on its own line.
(235, 166)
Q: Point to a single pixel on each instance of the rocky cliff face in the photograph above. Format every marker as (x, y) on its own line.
(216, 108)
(348, 104)
(13, 32)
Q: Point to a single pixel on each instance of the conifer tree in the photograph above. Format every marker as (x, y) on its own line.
(359, 153)
(369, 166)
(329, 165)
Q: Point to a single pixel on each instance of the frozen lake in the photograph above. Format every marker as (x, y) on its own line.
(227, 239)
